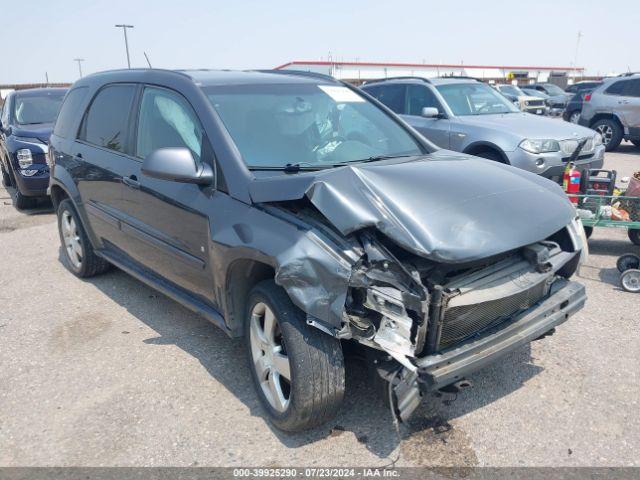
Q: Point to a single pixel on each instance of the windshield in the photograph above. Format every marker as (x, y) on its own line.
(554, 89)
(307, 124)
(474, 99)
(512, 90)
(41, 109)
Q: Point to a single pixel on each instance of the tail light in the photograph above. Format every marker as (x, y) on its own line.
(587, 97)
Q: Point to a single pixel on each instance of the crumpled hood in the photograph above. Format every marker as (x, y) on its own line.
(444, 206)
(526, 125)
(41, 131)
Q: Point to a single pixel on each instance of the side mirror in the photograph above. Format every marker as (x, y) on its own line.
(430, 112)
(177, 165)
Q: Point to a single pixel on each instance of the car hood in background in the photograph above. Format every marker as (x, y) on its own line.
(444, 206)
(41, 131)
(526, 125)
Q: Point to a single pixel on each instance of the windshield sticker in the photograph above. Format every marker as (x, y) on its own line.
(341, 94)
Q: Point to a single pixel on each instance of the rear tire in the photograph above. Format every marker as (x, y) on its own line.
(636, 143)
(78, 252)
(574, 116)
(279, 344)
(611, 132)
(634, 236)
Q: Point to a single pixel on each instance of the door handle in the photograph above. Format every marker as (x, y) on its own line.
(131, 181)
(79, 155)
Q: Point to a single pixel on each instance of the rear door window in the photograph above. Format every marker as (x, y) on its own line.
(632, 88)
(167, 120)
(106, 123)
(69, 112)
(393, 96)
(616, 89)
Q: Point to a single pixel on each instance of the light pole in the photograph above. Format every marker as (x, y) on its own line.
(79, 60)
(126, 42)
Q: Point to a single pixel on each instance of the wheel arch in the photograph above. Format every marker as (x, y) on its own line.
(241, 276)
(484, 146)
(608, 116)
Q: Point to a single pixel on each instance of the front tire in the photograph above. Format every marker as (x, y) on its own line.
(298, 371)
(78, 252)
(6, 178)
(611, 132)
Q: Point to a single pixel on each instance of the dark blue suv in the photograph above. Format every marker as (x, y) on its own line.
(26, 124)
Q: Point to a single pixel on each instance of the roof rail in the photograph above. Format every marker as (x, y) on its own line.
(628, 74)
(300, 73)
(407, 77)
(461, 77)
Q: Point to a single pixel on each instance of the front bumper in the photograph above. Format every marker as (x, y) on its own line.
(554, 163)
(35, 186)
(437, 371)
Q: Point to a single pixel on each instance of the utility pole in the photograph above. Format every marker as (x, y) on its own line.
(126, 41)
(79, 60)
(575, 57)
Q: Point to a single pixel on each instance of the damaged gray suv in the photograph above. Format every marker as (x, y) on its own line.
(295, 211)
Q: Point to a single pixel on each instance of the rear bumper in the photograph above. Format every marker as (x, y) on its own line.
(437, 371)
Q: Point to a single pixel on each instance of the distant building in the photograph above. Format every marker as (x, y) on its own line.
(358, 72)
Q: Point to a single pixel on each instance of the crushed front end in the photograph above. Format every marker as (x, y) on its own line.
(435, 323)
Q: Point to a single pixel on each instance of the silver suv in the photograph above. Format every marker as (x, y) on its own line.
(613, 109)
(466, 115)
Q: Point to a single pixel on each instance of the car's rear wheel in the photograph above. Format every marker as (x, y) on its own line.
(574, 116)
(298, 371)
(636, 143)
(611, 132)
(634, 235)
(79, 255)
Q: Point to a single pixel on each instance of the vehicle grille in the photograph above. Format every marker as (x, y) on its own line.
(535, 103)
(464, 321)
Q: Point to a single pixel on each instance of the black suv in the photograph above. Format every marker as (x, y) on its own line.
(292, 209)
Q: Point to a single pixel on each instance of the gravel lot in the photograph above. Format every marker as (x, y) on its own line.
(109, 372)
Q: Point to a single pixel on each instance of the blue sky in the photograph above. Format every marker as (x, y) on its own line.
(41, 36)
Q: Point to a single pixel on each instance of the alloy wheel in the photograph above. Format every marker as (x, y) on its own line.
(606, 132)
(575, 116)
(269, 356)
(72, 242)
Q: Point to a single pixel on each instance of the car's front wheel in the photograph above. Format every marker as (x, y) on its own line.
(78, 252)
(298, 370)
(611, 133)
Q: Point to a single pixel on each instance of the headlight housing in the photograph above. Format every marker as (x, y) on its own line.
(25, 159)
(540, 146)
(597, 139)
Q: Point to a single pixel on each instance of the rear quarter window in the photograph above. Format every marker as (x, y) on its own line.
(70, 112)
